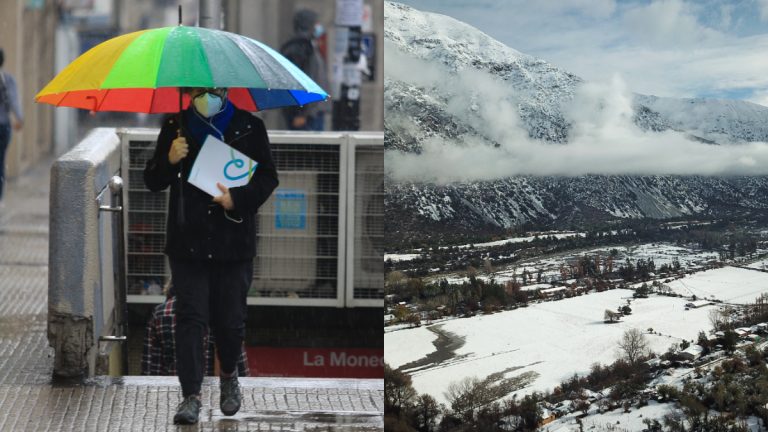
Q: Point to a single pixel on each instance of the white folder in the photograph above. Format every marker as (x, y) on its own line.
(218, 162)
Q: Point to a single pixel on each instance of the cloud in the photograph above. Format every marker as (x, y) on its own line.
(603, 139)
(666, 72)
(759, 97)
(668, 23)
(670, 48)
(401, 67)
(586, 8)
(726, 16)
(762, 6)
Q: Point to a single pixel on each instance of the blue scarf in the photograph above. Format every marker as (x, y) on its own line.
(200, 127)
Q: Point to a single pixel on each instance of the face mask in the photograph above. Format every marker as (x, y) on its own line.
(208, 104)
(319, 30)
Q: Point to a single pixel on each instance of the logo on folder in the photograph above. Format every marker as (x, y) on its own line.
(217, 162)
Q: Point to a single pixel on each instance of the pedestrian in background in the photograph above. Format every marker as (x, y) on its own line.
(302, 50)
(159, 354)
(210, 242)
(9, 102)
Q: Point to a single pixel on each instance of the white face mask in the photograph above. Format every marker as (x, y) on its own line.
(319, 31)
(208, 104)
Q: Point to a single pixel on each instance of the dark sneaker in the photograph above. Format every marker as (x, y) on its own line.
(188, 411)
(230, 395)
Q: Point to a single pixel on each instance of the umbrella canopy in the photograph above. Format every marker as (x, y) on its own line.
(143, 71)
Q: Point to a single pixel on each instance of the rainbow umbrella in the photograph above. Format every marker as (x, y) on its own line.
(143, 71)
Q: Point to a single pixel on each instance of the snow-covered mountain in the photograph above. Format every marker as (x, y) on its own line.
(432, 58)
(537, 87)
(712, 119)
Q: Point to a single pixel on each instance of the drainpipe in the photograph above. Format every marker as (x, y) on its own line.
(210, 14)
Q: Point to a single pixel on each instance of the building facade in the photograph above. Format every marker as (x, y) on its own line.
(27, 29)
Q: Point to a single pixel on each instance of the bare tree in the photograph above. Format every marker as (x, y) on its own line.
(464, 395)
(727, 316)
(471, 271)
(721, 318)
(633, 345)
(714, 319)
(488, 266)
(395, 280)
(398, 391)
(426, 411)
(610, 316)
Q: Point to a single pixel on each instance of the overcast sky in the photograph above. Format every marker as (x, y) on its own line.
(706, 48)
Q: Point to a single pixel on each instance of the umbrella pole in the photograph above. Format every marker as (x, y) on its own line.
(180, 219)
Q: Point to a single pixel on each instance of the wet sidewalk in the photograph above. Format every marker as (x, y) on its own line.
(31, 401)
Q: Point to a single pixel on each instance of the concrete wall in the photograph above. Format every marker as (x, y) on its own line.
(76, 315)
(26, 35)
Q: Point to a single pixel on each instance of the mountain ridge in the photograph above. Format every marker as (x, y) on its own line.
(420, 111)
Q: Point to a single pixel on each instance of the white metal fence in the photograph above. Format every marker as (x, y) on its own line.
(320, 235)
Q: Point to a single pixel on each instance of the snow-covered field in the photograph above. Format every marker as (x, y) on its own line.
(729, 284)
(553, 339)
(631, 421)
(415, 343)
(556, 234)
(661, 253)
(664, 253)
(395, 257)
(761, 265)
(400, 257)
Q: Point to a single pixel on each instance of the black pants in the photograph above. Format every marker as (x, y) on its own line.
(209, 293)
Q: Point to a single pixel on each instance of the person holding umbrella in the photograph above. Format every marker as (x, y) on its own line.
(212, 80)
(211, 251)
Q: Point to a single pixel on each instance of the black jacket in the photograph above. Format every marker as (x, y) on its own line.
(207, 233)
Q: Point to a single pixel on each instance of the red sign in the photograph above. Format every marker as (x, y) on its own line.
(316, 362)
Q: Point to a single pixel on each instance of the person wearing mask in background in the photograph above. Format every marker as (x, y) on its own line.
(9, 103)
(210, 242)
(302, 50)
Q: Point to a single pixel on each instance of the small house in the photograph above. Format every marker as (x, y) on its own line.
(556, 293)
(697, 304)
(547, 417)
(563, 408)
(654, 363)
(692, 352)
(592, 396)
(742, 331)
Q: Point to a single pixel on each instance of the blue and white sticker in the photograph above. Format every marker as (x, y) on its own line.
(290, 209)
